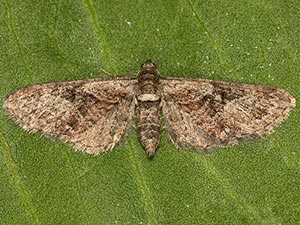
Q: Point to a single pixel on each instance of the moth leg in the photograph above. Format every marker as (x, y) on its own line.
(106, 72)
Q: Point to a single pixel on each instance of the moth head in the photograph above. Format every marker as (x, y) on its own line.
(148, 73)
(148, 65)
(149, 68)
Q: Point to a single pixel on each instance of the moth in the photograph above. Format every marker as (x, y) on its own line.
(92, 115)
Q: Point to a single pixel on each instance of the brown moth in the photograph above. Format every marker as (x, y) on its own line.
(93, 114)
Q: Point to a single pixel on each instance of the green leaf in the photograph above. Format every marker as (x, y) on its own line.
(46, 182)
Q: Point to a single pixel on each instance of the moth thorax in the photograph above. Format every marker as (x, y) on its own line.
(148, 78)
(148, 84)
(148, 92)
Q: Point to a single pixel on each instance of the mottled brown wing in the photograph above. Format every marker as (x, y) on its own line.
(203, 113)
(91, 115)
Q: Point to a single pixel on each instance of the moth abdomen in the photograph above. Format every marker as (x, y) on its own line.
(149, 127)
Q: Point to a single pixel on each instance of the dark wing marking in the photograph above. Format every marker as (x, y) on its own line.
(203, 113)
(90, 114)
